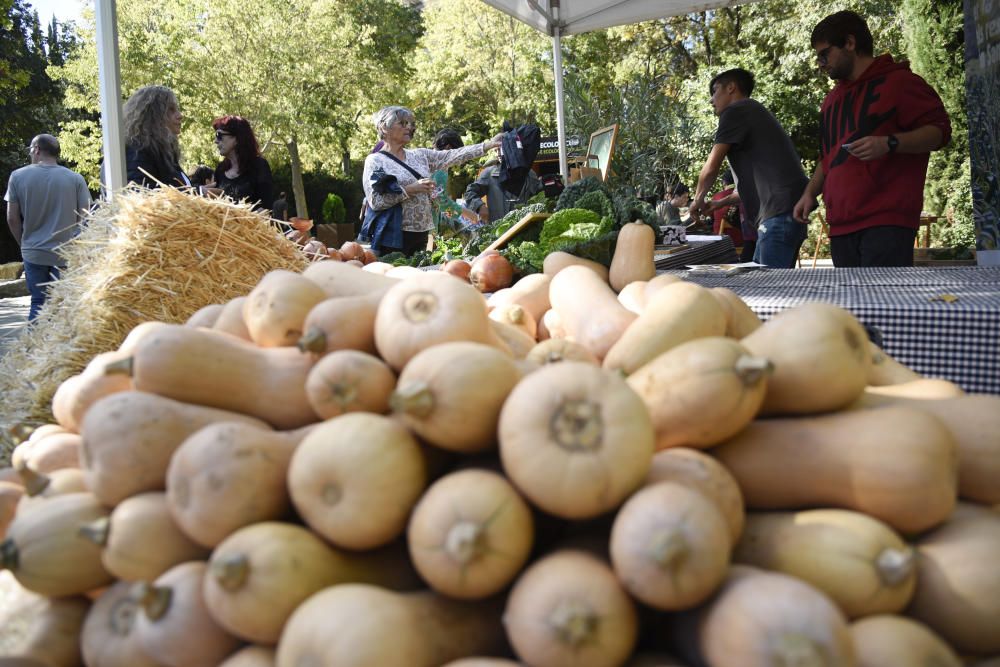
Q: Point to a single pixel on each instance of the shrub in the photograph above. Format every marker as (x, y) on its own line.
(333, 209)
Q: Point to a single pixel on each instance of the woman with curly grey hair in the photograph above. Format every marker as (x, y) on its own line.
(411, 170)
(152, 152)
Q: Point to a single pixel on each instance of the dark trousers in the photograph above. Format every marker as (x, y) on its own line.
(412, 242)
(37, 277)
(887, 245)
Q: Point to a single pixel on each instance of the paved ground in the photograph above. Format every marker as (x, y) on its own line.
(13, 318)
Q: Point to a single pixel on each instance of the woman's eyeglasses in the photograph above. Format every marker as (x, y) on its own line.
(219, 134)
(412, 124)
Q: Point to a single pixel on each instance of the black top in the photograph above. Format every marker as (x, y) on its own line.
(254, 186)
(138, 161)
(279, 208)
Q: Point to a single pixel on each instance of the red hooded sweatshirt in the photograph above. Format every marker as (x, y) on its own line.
(886, 99)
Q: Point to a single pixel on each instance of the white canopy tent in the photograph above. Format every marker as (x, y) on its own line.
(567, 17)
(553, 17)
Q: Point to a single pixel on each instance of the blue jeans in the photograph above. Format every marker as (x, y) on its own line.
(778, 241)
(37, 275)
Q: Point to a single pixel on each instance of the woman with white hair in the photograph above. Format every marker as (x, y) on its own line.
(411, 169)
(152, 124)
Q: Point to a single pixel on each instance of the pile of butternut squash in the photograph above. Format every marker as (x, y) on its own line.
(345, 468)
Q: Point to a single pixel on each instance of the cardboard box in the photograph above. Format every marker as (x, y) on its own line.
(345, 232)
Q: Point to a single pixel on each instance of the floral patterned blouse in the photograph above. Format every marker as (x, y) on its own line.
(417, 210)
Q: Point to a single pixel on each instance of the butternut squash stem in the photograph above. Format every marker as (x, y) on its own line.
(97, 531)
(120, 367)
(34, 482)
(464, 542)
(666, 548)
(231, 571)
(752, 370)
(154, 600)
(122, 618)
(577, 426)
(313, 341)
(554, 357)
(795, 650)
(894, 565)
(9, 555)
(574, 622)
(414, 399)
(515, 314)
(345, 395)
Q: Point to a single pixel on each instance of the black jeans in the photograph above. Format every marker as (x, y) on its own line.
(412, 242)
(876, 246)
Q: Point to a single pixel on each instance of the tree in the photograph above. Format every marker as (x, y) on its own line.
(300, 71)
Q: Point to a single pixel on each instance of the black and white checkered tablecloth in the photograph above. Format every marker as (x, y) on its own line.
(921, 324)
(721, 251)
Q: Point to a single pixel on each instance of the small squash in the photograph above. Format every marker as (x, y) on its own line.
(511, 340)
(343, 279)
(443, 385)
(555, 262)
(633, 258)
(516, 316)
(341, 323)
(276, 308)
(741, 321)
(676, 314)
(54, 452)
(568, 610)
(355, 478)
(588, 310)
(530, 292)
(77, 393)
(39, 486)
(10, 496)
(252, 656)
(895, 640)
(554, 350)
(349, 381)
(670, 546)
(858, 561)
(470, 534)
(575, 439)
(702, 392)
(230, 319)
(109, 638)
(204, 316)
(40, 631)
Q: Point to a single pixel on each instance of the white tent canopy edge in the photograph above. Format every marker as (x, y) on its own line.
(567, 17)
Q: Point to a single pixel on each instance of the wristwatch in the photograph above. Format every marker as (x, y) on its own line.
(893, 143)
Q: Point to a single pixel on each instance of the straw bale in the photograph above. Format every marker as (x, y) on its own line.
(148, 255)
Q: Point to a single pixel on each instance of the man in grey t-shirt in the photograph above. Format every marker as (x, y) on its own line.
(768, 171)
(44, 204)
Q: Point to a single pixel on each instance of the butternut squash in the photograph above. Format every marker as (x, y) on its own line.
(555, 350)
(380, 268)
(567, 609)
(575, 439)
(896, 464)
(355, 478)
(10, 496)
(958, 583)
(129, 437)
(341, 323)
(8, 474)
(483, 662)
(443, 385)
(588, 309)
(268, 383)
(633, 258)
(424, 311)
(39, 631)
(676, 314)
(77, 393)
(45, 551)
(205, 316)
(530, 292)
(258, 576)
(470, 534)
(895, 640)
(253, 656)
(858, 561)
(551, 326)
(885, 370)
(343, 279)
(228, 475)
(54, 452)
(923, 389)
(704, 474)
(702, 392)
(741, 321)
(141, 541)
(516, 316)
(633, 296)
(349, 381)
(427, 630)
(512, 341)
(555, 262)
(654, 285)
(174, 627)
(276, 308)
(762, 619)
(39, 486)
(820, 355)
(108, 638)
(230, 319)
(670, 546)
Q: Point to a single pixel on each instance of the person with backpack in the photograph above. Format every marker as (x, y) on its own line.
(509, 182)
(400, 176)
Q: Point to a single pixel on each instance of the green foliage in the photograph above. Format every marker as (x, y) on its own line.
(487, 234)
(333, 209)
(580, 232)
(574, 191)
(598, 202)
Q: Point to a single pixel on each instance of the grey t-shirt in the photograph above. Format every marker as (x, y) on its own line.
(49, 197)
(768, 171)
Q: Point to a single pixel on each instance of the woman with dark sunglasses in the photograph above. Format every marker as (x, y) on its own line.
(243, 173)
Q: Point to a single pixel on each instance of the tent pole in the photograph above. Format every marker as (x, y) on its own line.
(560, 110)
(109, 77)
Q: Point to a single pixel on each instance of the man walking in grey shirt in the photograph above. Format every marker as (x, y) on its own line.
(768, 171)
(45, 202)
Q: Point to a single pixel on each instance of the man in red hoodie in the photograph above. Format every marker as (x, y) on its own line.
(878, 126)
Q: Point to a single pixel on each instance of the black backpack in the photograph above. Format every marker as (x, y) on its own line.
(517, 152)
